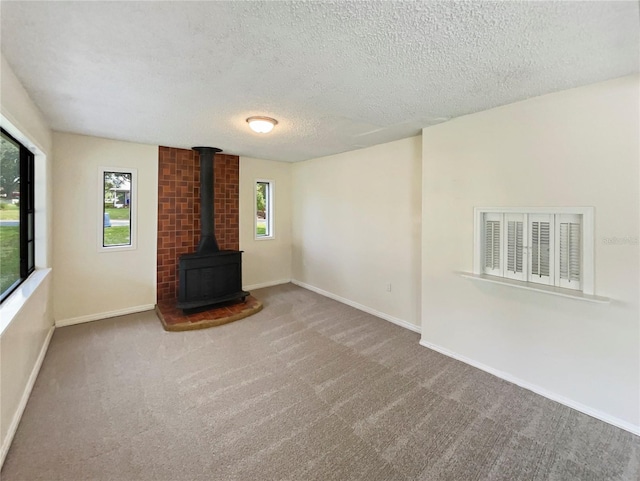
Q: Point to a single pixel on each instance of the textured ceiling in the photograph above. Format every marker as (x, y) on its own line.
(338, 76)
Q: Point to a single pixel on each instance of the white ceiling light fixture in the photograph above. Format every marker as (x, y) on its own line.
(262, 125)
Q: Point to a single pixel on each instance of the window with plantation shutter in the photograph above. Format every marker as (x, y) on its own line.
(546, 246)
(540, 249)
(515, 262)
(492, 234)
(569, 264)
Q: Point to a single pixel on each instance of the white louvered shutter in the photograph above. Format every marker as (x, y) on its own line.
(569, 255)
(541, 253)
(492, 264)
(514, 238)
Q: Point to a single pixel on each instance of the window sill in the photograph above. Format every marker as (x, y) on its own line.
(556, 291)
(116, 248)
(13, 304)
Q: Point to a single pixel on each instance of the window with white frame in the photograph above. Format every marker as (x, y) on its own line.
(549, 246)
(264, 209)
(117, 187)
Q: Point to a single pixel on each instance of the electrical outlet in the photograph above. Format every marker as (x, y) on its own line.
(388, 286)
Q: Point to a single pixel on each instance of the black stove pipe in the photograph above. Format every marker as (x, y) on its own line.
(208, 243)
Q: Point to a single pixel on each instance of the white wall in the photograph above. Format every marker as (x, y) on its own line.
(26, 318)
(18, 107)
(265, 261)
(587, 354)
(23, 344)
(90, 284)
(356, 227)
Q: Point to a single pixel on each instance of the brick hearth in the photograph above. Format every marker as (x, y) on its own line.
(174, 319)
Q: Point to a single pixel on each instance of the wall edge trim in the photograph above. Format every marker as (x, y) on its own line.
(17, 416)
(595, 413)
(104, 315)
(262, 285)
(361, 307)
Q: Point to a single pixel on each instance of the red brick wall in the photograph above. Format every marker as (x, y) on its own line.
(179, 210)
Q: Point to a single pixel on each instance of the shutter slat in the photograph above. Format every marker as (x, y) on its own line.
(519, 246)
(535, 246)
(492, 244)
(564, 241)
(540, 242)
(496, 245)
(544, 248)
(570, 257)
(511, 246)
(488, 244)
(514, 246)
(575, 255)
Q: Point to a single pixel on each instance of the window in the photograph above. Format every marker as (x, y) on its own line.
(17, 245)
(549, 246)
(264, 209)
(117, 209)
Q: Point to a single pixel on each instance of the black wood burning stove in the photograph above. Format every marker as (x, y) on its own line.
(209, 276)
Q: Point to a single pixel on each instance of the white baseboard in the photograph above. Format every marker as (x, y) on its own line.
(632, 428)
(266, 284)
(104, 315)
(362, 307)
(13, 427)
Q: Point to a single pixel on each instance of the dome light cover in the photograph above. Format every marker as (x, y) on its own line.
(262, 125)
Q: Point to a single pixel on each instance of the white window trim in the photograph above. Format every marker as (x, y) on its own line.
(270, 210)
(133, 209)
(588, 254)
(530, 286)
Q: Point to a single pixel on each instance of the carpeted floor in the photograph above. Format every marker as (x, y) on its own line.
(307, 389)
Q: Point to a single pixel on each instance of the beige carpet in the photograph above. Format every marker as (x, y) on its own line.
(307, 389)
